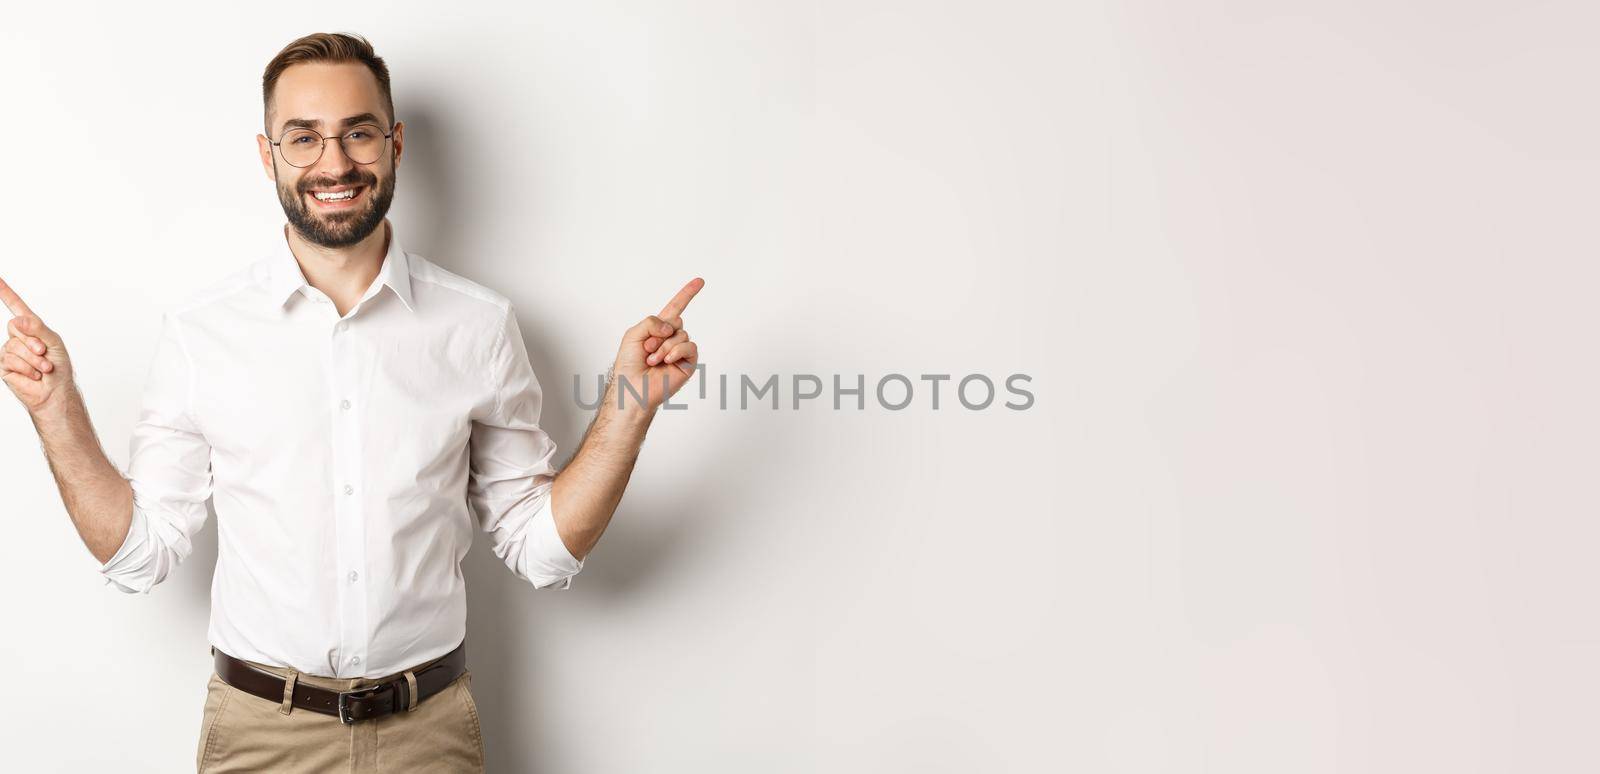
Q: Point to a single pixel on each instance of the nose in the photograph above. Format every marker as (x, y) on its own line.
(333, 162)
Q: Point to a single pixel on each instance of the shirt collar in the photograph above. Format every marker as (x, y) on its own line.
(286, 276)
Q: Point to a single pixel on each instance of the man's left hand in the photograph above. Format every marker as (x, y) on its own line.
(657, 351)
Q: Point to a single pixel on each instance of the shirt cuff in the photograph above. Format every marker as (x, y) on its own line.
(546, 560)
(123, 563)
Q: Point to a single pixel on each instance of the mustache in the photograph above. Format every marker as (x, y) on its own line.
(356, 177)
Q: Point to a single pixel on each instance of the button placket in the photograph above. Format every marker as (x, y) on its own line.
(344, 370)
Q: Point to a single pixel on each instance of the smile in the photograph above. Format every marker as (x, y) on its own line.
(340, 197)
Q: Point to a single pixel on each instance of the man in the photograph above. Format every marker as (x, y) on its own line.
(351, 408)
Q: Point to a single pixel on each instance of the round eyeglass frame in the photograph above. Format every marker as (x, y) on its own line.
(322, 146)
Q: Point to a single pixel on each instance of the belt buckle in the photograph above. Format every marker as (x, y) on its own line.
(344, 715)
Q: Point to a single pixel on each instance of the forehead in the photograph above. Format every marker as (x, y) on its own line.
(325, 92)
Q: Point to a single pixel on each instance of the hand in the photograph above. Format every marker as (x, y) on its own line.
(657, 349)
(36, 366)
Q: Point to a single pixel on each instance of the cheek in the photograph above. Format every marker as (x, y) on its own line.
(289, 191)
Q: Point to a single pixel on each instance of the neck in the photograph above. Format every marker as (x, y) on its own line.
(342, 273)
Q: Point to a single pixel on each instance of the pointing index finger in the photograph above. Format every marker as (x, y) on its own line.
(680, 302)
(14, 302)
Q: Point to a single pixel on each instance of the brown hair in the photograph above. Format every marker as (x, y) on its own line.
(325, 47)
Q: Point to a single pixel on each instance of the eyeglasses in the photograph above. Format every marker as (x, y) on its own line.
(362, 143)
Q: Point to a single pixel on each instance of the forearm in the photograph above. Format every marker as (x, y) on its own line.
(97, 497)
(586, 493)
(655, 353)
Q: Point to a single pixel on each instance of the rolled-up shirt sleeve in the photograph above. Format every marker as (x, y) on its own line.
(512, 469)
(169, 470)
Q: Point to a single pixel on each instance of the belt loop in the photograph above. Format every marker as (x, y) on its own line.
(411, 695)
(288, 692)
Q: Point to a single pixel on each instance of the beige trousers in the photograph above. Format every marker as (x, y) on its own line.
(243, 732)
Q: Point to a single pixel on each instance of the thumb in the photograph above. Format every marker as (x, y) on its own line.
(30, 325)
(644, 329)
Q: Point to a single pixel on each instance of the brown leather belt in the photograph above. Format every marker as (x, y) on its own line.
(373, 701)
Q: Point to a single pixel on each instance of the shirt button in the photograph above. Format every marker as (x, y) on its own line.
(355, 660)
(353, 576)
(349, 489)
(344, 404)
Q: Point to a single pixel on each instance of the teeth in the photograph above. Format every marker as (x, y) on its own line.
(333, 197)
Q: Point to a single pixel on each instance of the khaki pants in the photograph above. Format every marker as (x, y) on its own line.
(243, 732)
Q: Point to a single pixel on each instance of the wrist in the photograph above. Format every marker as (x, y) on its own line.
(61, 404)
(624, 407)
(621, 407)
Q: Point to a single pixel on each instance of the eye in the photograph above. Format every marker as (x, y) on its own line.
(357, 134)
(299, 139)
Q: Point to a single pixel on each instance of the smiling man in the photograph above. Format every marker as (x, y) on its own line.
(353, 411)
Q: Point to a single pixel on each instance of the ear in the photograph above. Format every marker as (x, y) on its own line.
(399, 141)
(265, 148)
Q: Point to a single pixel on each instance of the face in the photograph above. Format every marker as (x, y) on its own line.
(330, 99)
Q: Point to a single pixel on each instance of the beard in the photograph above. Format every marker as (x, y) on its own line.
(340, 228)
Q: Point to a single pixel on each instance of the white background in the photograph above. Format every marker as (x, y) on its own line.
(1306, 291)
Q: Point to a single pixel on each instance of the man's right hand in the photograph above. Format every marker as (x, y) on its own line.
(36, 366)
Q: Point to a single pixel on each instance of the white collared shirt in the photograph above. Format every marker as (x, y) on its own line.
(342, 455)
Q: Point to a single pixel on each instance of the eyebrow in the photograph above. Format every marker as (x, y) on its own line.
(306, 123)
